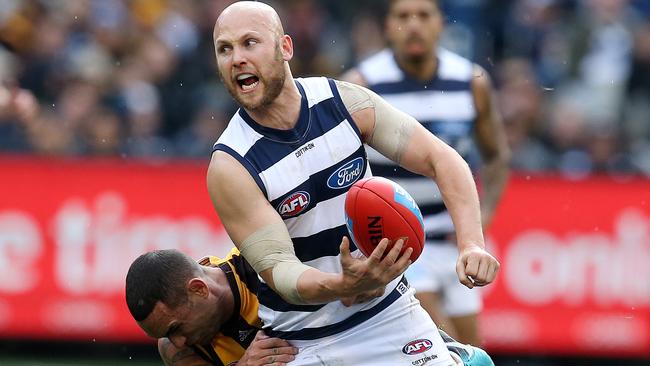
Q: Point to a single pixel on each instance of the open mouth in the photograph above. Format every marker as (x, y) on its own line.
(247, 82)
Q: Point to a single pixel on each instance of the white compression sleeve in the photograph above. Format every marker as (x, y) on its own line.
(393, 128)
(271, 247)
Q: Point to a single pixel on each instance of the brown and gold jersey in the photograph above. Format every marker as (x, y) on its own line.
(238, 332)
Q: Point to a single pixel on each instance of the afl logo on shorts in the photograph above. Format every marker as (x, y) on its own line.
(417, 346)
(294, 204)
(346, 175)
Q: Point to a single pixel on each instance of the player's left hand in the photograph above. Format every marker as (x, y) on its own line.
(265, 350)
(476, 267)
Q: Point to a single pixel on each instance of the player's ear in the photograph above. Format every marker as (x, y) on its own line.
(197, 286)
(286, 43)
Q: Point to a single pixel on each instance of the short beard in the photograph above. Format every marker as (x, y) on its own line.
(273, 86)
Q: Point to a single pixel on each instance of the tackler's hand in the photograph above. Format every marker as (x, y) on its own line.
(265, 350)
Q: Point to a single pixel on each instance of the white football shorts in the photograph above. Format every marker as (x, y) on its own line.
(402, 334)
(435, 271)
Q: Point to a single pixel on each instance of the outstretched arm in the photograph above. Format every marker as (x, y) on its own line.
(260, 234)
(402, 139)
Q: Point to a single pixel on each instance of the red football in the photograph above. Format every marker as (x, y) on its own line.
(377, 208)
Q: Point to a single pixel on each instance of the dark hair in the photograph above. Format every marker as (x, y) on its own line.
(388, 5)
(160, 275)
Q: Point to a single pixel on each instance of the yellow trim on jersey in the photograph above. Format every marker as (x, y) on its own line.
(228, 349)
(249, 302)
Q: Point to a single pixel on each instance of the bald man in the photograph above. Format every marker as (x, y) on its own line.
(278, 179)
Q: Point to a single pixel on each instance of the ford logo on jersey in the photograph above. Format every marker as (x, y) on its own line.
(346, 175)
(417, 346)
(294, 204)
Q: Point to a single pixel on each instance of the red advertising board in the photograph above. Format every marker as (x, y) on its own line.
(575, 275)
(575, 255)
(69, 229)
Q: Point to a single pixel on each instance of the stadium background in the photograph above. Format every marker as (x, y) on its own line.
(119, 103)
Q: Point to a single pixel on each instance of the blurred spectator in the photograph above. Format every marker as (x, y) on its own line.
(366, 36)
(102, 133)
(197, 138)
(605, 152)
(520, 102)
(76, 101)
(144, 122)
(636, 117)
(18, 107)
(48, 135)
(537, 30)
(128, 77)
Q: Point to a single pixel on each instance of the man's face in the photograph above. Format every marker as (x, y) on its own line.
(251, 58)
(413, 28)
(197, 321)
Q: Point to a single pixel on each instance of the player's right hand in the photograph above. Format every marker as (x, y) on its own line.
(265, 350)
(364, 275)
(476, 267)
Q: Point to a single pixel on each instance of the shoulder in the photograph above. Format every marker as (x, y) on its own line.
(481, 84)
(238, 136)
(452, 66)
(480, 77)
(380, 68)
(224, 168)
(317, 89)
(227, 177)
(354, 76)
(378, 59)
(355, 97)
(214, 261)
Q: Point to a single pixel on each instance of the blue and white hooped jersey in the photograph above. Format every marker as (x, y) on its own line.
(444, 105)
(305, 173)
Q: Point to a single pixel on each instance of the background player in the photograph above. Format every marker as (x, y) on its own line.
(453, 99)
(205, 313)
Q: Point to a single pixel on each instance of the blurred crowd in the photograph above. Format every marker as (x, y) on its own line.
(138, 79)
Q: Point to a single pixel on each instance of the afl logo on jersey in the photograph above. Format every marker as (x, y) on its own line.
(417, 346)
(294, 204)
(346, 175)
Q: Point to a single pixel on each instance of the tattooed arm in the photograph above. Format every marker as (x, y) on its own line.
(173, 356)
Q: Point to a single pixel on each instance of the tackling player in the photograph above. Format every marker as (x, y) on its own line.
(205, 313)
